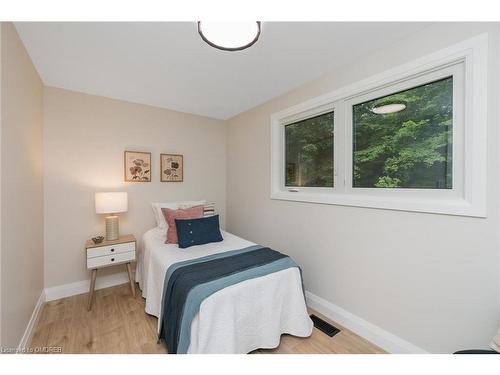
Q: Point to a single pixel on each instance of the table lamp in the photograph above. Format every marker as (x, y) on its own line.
(111, 204)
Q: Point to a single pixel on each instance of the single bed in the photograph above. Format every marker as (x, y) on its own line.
(237, 319)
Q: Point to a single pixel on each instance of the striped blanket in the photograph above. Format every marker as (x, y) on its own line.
(187, 284)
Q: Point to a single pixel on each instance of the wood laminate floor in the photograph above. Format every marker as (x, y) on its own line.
(118, 324)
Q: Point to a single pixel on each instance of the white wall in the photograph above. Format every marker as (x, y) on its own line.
(430, 279)
(85, 137)
(21, 189)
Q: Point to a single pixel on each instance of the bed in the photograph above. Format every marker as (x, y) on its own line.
(240, 318)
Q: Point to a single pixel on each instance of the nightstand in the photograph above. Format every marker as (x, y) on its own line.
(107, 254)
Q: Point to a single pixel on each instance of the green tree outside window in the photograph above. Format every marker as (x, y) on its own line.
(309, 152)
(407, 149)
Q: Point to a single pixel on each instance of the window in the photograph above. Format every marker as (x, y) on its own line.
(309, 152)
(409, 147)
(412, 138)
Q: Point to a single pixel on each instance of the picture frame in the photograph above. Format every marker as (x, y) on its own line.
(137, 166)
(171, 168)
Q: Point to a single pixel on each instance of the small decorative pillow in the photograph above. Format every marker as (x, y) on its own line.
(160, 218)
(182, 213)
(198, 231)
(209, 209)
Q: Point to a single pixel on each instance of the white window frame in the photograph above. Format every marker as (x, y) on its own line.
(457, 72)
(321, 110)
(467, 62)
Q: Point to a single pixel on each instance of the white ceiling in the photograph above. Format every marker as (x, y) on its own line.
(168, 65)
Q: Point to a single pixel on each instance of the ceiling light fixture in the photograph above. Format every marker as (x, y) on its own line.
(389, 108)
(229, 36)
(386, 106)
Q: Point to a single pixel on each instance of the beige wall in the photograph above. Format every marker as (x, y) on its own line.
(429, 279)
(21, 187)
(85, 137)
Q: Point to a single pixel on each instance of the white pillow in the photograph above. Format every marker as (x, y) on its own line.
(160, 219)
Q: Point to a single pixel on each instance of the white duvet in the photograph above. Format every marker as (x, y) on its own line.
(238, 319)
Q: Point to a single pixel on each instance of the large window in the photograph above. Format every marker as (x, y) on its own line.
(412, 138)
(309, 152)
(405, 140)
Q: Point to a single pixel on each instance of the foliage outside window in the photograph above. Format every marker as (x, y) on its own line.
(309, 152)
(411, 138)
(411, 148)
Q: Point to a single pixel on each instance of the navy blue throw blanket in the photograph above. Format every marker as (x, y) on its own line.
(185, 278)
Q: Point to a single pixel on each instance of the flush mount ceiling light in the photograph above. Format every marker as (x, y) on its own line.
(229, 36)
(386, 106)
(389, 108)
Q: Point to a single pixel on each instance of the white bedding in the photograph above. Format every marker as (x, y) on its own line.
(238, 319)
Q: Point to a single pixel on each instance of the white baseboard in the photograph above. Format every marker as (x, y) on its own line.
(30, 328)
(79, 287)
(386, 340)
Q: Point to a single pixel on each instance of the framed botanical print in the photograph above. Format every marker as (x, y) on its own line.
(171, 168)
(137, 166)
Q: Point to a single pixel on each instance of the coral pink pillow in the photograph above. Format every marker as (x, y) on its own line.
(182, 213)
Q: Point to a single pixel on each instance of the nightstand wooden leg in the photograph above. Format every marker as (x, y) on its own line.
(132, 286)
(92, 286)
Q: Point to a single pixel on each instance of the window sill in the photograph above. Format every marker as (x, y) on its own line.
(458, 207)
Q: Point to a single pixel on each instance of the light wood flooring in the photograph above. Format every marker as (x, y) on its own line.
(118, 324)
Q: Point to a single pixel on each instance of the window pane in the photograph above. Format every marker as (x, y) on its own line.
(309, 152)
(411, 148)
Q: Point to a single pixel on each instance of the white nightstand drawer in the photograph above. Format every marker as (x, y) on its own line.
(110, 249)
(110, 260)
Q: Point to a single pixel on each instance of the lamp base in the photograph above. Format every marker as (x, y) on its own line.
(112, 229)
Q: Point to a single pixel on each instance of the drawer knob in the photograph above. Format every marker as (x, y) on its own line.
(112, 250)
(112, 259)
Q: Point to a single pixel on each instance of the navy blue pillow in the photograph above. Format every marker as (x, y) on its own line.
(192, 232)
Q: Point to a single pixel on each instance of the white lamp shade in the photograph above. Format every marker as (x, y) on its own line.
(111, 203)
